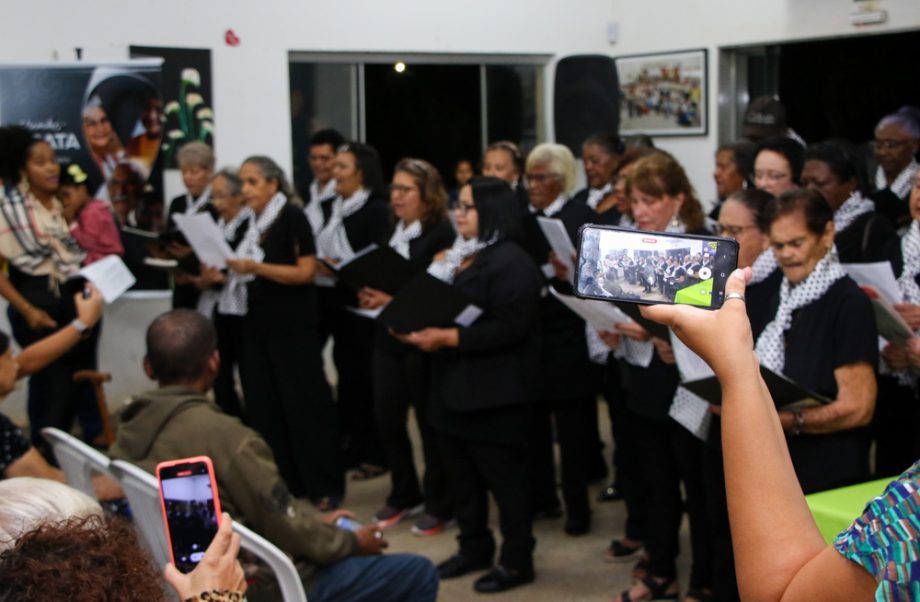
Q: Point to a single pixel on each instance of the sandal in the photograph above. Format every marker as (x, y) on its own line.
(656, 591)
(367, 471)
(641, 569)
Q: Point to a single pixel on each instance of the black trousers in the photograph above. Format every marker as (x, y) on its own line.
(476, 469)
(572, 420)
(669, 455)
(230, 346)
(724, 579)
(401, 381)
(289, 402)
(895, 428)
(352, 352)
(627, 472)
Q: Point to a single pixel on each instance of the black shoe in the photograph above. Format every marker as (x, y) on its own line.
(610, 494)
(501, 579)
(458, 565)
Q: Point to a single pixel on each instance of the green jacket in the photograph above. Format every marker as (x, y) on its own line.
(176, 422)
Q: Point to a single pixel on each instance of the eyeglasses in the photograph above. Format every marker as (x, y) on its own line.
(773, 176)
(888, 144)
(539, 178)
(464, 208)
(732, 231)
(402, 188)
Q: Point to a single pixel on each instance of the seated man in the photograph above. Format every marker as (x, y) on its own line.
(178, 421)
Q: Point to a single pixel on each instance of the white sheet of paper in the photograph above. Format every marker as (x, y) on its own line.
(559, 241)
(370, 314)
(110, 275)
(206, 239)
(878, 275)
(469, 314)
(601, 315)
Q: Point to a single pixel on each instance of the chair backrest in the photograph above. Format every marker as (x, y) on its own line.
(143, 494)
(79, 461)
(285, 572)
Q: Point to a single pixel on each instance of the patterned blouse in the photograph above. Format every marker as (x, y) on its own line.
(885, 540)
(12, 444)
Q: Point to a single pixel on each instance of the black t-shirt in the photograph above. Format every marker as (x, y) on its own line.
(271, 303)
(836, 330)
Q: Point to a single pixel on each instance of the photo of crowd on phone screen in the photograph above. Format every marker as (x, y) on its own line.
(647, 267)
(191, 516)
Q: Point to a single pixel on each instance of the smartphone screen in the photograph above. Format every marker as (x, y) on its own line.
(654, 267)
(190, 508)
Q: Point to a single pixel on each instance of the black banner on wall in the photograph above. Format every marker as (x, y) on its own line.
(106, 118)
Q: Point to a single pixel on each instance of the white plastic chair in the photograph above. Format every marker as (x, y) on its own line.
(143, 494)
(79, 461)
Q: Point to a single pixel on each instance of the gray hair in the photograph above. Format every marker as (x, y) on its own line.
(27, 503)
(272, 171)
(195, 154)
(232, 175)
(558, 159)
(907, 118)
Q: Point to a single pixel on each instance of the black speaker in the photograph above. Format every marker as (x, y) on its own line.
(586, 99)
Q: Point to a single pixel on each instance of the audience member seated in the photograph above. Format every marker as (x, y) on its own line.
(897, 139)
(177, 420)
(822, 336)
(55, 544)
(779, 552)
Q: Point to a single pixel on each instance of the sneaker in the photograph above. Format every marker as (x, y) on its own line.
(430, 525)
(389, 516)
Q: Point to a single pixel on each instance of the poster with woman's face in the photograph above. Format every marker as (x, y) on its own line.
(108, 119)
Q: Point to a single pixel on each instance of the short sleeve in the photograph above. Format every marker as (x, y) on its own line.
(300, 231)
(855, 334)
(885, 540)
(13, 445)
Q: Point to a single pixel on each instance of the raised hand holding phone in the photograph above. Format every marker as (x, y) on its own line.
(191, 508)
(218, 570)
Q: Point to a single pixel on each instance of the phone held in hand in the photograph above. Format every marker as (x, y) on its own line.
(191, 508)
(349, 524)
(637, 266)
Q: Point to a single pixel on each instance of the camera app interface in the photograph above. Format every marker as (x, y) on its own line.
(652, 267)
(190, 513)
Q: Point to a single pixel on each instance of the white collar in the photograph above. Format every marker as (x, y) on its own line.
(553, 208)
(902, 184)
(321, 194)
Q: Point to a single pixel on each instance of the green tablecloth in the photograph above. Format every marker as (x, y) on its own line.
(834, 510)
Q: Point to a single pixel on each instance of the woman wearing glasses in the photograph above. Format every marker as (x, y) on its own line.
(357, 217)
(778, 165)
(897, 140)
(741, 218)
(482, 385)
(420, 231)
(565, 387)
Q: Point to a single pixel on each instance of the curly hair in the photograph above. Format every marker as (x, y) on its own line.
(79, 559)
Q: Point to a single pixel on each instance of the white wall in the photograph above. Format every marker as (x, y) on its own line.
(251, 80)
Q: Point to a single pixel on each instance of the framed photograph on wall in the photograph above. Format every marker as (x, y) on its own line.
(664, 94)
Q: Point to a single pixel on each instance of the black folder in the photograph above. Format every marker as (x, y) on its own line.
(787, 394)
(654, 328)
(376, 267)
(426, 302)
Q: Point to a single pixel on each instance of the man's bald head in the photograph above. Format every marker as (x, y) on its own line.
(179, 345)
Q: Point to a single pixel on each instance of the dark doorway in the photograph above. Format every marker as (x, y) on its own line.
(842, 87)
(430, 112)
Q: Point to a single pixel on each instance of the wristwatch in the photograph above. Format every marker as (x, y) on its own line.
(80, 326)
(799, 422)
